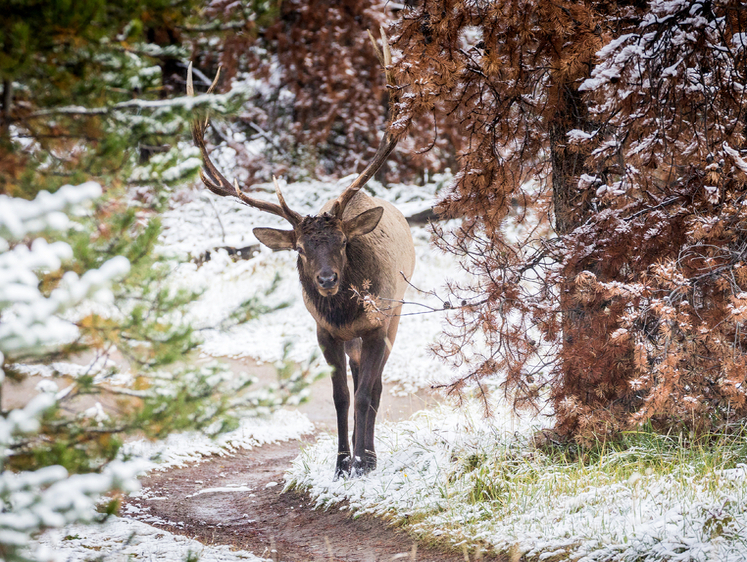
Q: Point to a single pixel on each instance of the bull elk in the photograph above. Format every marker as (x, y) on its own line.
(356, 242)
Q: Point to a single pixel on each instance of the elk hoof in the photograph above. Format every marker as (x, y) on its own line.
(342, 470)
(362, 466)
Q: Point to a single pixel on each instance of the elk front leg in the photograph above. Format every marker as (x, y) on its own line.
(334, 353)
(353, 351)
(367, 397)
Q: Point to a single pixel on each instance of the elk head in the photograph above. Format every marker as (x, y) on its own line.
(321, 241)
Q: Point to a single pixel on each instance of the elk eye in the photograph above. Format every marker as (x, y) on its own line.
(299, 249)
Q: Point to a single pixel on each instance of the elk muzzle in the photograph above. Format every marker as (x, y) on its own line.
(327, 282)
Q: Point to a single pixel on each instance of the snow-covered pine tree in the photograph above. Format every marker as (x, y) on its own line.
(85, 96)
(36, 494)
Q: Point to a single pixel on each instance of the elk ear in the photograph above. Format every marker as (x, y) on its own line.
(276, 239)
(363, 223)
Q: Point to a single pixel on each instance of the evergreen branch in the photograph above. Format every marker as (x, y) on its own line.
(187, 103)
(215, 26)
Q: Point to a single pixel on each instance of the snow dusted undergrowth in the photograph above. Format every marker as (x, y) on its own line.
(476, 483)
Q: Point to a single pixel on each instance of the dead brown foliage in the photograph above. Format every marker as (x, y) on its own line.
(324, 100)
(624, 126)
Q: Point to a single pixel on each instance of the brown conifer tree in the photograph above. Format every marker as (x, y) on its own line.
(624, 123)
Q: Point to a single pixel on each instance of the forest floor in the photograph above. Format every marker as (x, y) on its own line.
(238, 500)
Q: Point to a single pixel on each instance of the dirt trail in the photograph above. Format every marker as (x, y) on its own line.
(238, 500)
(198, 502)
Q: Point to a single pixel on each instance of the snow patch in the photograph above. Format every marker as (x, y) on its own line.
(125, 539)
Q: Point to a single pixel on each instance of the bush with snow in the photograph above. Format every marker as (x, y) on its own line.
(31, 323)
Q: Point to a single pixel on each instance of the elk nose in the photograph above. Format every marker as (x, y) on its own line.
(327, 280)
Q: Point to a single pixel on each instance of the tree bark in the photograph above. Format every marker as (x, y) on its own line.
(567, 166)
(571, 208)
(7, 106)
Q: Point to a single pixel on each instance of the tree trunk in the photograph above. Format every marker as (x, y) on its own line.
(579, 322)
(567, 166)
(5, 115)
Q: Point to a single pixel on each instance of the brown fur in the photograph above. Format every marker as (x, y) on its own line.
(373, 264)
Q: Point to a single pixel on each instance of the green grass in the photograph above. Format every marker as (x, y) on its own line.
(497, 489)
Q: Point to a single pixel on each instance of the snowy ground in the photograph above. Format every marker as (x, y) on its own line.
(183, 448)
(124, 539)
(480, 484)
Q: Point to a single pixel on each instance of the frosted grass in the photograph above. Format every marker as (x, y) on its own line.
(480, 484)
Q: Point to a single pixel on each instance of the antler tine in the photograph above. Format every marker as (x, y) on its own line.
(212, 177)
(297, 218)
(388, 141)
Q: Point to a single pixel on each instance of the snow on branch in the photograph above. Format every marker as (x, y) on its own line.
(738, 160)
(218, 102)
(28, 318)
(18, 217)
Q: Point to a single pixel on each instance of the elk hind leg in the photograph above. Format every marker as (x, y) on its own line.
(376, 390)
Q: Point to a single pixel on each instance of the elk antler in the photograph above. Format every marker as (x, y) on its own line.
(388, 141)
(217, 183)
